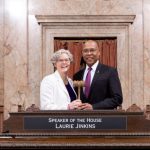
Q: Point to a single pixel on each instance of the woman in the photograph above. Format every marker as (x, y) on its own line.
(56, 90)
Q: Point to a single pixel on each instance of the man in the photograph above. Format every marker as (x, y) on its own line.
(105, 88)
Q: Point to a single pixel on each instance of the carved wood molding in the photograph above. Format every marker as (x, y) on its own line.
(33, 108)
(134, 108)
(147, 112)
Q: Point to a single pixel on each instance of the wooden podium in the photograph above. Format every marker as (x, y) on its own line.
(111, 129)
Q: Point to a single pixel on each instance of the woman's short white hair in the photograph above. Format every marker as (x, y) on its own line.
(58, 53)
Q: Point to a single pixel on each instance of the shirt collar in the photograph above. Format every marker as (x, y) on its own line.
(93, 67)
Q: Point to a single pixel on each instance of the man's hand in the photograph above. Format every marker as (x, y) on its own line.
(85, 106)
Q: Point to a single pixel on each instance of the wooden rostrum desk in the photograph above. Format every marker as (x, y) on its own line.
(76, 130)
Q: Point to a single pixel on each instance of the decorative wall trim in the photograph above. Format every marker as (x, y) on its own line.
(83, 18)
(76, 26)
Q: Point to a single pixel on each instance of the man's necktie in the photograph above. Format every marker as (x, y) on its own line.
(87, 82)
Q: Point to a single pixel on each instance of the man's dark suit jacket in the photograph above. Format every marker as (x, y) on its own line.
(105, 90)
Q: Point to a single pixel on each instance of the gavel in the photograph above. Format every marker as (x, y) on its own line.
(78, 84)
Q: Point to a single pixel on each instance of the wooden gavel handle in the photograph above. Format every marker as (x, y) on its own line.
(78, 92)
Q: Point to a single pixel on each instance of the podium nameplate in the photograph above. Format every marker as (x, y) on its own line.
(77, 122)
(81, 123)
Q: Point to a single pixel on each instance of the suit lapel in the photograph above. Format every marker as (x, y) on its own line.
(81, 74)
(96, 75)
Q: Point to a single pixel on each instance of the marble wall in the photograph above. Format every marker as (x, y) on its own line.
(146, 51)
(1, 54)
(21, 47)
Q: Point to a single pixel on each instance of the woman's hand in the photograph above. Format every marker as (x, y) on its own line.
(75, 104)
